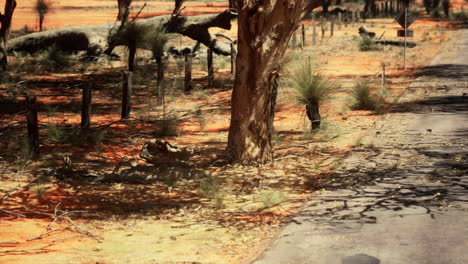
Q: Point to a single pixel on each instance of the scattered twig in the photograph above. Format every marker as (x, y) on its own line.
(9, 243)
(37, 249)
(47, 233)
(61, 214)
(12, 213)
(138, 14)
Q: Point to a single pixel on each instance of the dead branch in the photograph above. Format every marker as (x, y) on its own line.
(9, 243)
(12, 213)
(61, 214)
(37, 249)
(47, 233)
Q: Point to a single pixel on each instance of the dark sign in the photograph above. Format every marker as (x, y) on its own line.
(401, 33)
(410, 18)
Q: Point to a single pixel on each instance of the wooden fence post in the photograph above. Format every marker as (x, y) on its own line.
(383, 76)
(332, 26)
(86, 106)
(294, 40)
(126, 94)
(160, 82)
(322, 25)
(188, 73)
(303, 41)
(209, 58)
(339, 21)
(314, 31)
(32, 124)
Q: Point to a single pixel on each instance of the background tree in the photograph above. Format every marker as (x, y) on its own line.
(370, 8)
(5, 25)
(446, 7)
(233, 4)
(124, 6)
(264, 30)
(42, 8)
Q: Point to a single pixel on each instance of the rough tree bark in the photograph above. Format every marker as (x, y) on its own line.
(94, 39)
(5, 25)
(123, 9)
(313, 113)
(265, 28)
(233, 4)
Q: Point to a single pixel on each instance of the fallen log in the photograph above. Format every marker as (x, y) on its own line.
(396, 42)
(94, 39)
(365, 31)
(158, 152)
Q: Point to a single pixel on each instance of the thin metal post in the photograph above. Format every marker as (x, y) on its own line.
(404, 49)
(383, 76)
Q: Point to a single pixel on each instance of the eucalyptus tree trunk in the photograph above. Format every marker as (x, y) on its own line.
(5, 25)
(265, 28)
(123, 9)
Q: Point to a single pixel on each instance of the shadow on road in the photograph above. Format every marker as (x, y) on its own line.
(452, 71)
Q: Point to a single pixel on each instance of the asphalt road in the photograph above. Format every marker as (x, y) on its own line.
(402, 197)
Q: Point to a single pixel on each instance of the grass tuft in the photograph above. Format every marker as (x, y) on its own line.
(55, 58)
(365, 43)
(310, 86)
(362, 97)
(272, 198)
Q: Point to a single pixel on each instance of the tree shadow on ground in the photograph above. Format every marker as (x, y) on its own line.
(353, 194)
(450, 71)
(446, 104)
(449, 103)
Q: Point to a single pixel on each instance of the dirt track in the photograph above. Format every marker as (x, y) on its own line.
(402, 197)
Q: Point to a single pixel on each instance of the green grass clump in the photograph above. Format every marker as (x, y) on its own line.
(55, 58)
(272, 198)
(211, 188)
(365, 43)
(167, 128)
(460, 16)
(312, 89)
(55, 132)
(362, 97)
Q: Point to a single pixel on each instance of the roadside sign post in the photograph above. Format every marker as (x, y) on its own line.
(404, 49)
(405, 20)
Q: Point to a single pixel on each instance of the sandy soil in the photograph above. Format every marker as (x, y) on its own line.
(155, 224)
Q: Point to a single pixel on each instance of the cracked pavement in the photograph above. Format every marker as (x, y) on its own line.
(402, 197)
